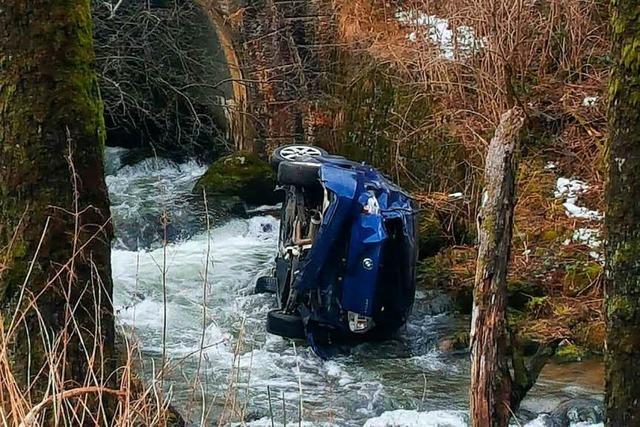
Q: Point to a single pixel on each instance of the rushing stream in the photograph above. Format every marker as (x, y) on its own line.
(243, 370)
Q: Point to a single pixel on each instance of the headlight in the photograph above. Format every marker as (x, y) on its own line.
(359, 323)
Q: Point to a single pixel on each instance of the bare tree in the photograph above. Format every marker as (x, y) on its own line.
(500, 374)
(490, 378)
(162, 76)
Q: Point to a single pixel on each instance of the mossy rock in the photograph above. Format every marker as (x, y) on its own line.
(437, 273)
(520, 293)
(242, 175)
(526, 343)
(569, 353)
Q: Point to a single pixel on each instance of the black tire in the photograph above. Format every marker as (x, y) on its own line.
(299, 174)
(295, 152)
(285, 325)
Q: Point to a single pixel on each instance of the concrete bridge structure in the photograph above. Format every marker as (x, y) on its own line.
(279, 54)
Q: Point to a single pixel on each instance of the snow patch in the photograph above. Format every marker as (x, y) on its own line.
(545, 420)
(590, 101)
(550, 166)
(590, 237)
(410, 418)
(587, 236)
(581, 212)
(597, 256)
(460, 42)
(570, 189)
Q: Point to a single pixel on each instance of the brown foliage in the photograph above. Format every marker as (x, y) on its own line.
(545, 56)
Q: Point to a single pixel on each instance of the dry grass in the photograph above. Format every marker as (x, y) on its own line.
(113, 391)
(545, 56)
(115, 399)
(557, 275)
(118, 398)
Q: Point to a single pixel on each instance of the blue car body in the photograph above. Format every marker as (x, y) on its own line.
(360, 269)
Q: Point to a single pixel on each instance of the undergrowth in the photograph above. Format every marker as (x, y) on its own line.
(550, 58)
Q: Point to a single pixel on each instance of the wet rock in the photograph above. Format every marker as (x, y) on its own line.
(240, 175)
(576, 411)
(136, 155)
(458, 342)
(146, 230)
(568, 353)
(435, 302)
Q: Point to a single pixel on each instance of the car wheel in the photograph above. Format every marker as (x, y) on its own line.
(295, 152)
(286, 325)
(299, 174)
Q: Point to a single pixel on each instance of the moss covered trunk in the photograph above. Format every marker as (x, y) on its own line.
(490, 393)
(52, 176)
(622, 193)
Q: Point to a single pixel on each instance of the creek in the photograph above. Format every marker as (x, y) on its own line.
(215, 324)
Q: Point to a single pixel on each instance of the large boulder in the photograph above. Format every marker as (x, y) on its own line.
(240, 175)
(578, 412)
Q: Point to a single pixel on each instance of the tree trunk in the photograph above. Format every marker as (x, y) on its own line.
(52, 176)
(490, 394)
(622, 223)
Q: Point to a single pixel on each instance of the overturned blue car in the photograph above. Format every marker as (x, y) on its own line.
(345, 268)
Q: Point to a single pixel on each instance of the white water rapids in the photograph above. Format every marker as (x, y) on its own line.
(403, 382)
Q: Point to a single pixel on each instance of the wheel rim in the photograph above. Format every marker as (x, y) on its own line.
(295, 152)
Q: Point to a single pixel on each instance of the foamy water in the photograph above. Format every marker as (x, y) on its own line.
(216, 321)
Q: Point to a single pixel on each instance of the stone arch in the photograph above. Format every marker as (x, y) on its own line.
(277, 54)
(239, 125)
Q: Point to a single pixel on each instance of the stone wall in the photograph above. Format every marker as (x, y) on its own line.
(283, 50)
